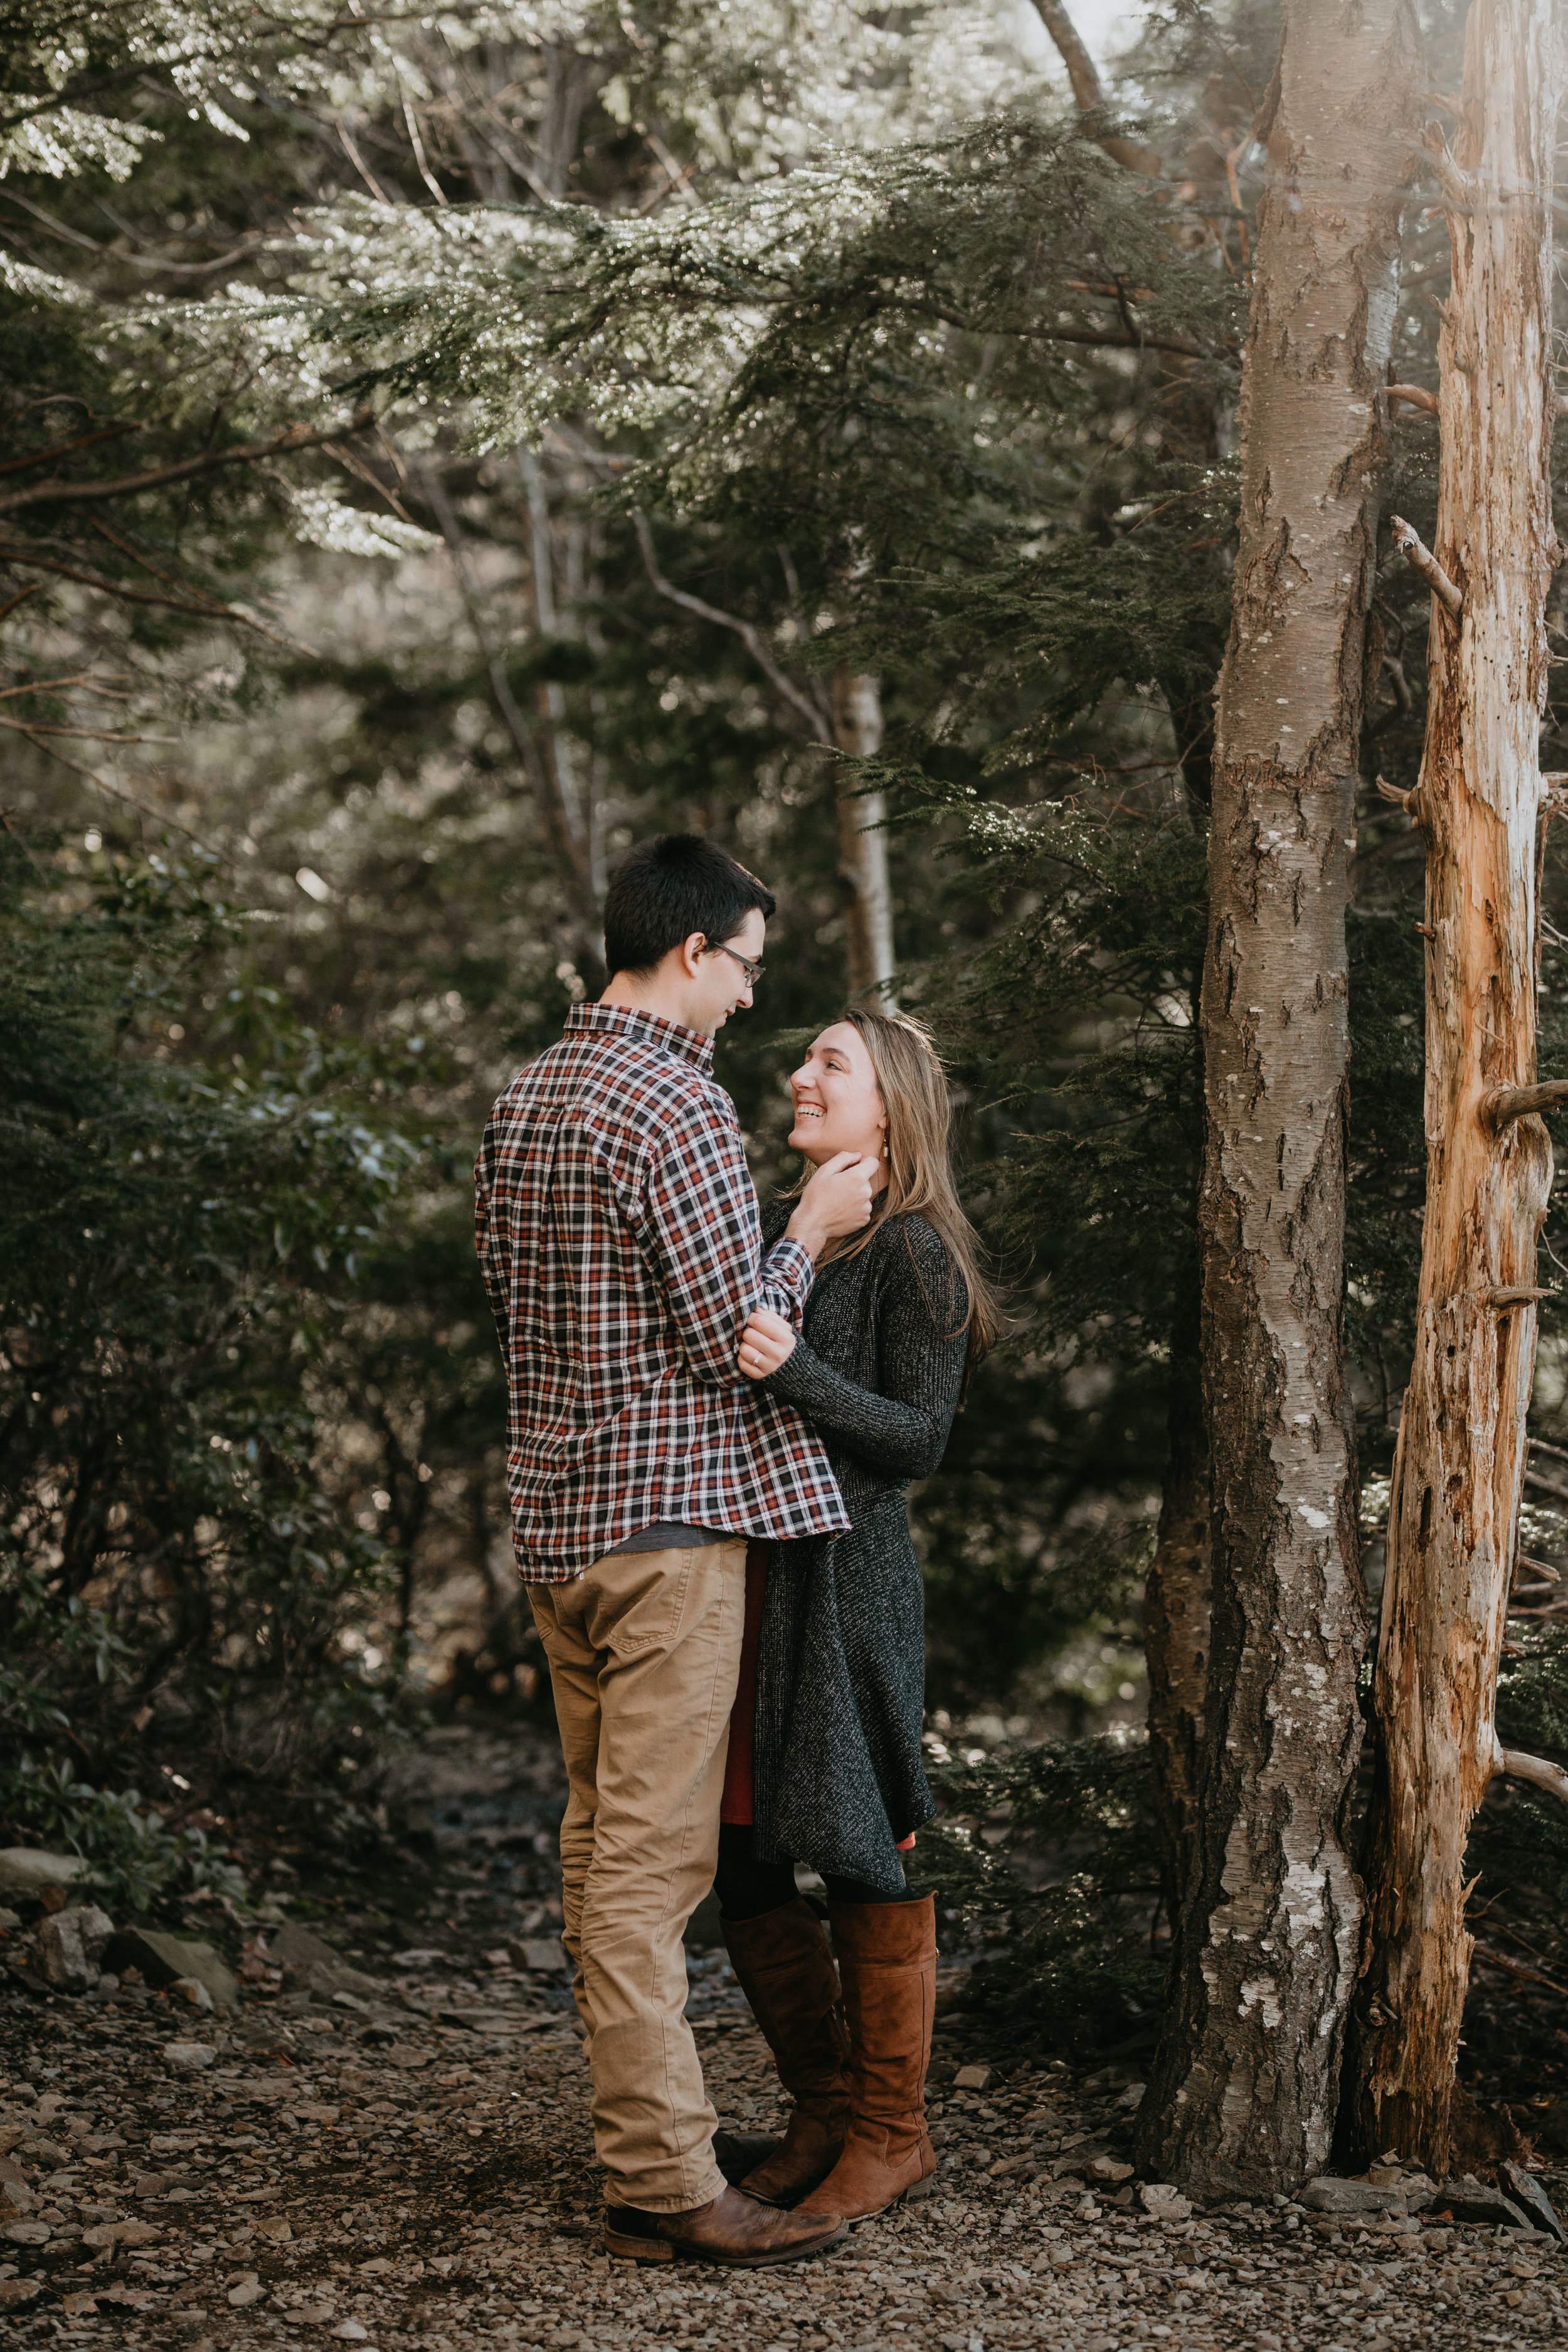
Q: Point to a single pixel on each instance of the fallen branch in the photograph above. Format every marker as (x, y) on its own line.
(1505, 1104)
(1484, 1953)
(1420, 558)
(1415, 397)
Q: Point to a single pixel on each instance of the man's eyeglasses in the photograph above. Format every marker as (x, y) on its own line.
(753, 971)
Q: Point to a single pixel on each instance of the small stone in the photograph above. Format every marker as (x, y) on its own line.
(27, 2233)
(543, 1956)
(242, 2297)
(1328, 2195)
(189, 2057)
(16, 2198)
(1131, 2097)
(1528, 2193)
(194, 1993)
(1104, 2169)
(350, 2330)
(122, 2233)
(315, 1965)
(1468, 2200)
(165, 1960)
(71, 1945)
(973, 2078)
(1165, 2202)
(17, 2290)
(150, 2184)
(30, 1873)
(273, 2225)
(9, 1920)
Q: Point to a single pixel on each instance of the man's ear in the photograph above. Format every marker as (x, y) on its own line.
(691, 952)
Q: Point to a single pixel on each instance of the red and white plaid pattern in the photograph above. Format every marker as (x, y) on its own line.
(620, 1246)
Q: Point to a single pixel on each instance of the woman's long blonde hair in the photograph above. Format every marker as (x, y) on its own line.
(914, 1090)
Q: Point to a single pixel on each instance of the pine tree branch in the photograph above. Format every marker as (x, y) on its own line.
(292, 438)
(750, 636)
(208, 610)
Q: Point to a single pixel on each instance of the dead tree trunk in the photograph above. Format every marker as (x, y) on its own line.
(1460, 1458)
(862, 843)
(1242, 2093)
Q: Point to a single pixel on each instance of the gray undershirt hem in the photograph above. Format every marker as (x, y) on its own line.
(671, 1535)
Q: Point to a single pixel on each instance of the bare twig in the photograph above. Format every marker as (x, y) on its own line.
(1508, 1968)
(1420, 558)
(64, 448)
(1413, 395)
(750, 636)
(206, 611)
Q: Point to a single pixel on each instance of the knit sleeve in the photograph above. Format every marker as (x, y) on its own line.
(899, 1430)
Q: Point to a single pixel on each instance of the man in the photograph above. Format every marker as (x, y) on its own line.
(620, 1244)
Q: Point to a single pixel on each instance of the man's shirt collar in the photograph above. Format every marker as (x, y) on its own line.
(648, 1028)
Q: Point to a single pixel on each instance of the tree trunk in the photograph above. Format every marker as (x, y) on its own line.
(862, 845)
(1460, 1458)
(1176, 1613)
(1241, 2096)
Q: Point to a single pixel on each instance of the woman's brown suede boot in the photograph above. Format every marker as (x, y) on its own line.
(785, 1970)
(887, 1960)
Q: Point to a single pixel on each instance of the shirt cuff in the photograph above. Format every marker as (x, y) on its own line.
(790, 1267)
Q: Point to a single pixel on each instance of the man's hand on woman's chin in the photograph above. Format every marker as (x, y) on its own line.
(765, 1343)
(837, 1202)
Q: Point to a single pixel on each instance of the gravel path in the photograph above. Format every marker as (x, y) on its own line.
(409, 2163)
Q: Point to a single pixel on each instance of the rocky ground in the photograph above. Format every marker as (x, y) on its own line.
(384, 2142)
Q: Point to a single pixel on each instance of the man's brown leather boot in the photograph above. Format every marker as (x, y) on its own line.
(886, 1960)
(787, 1972)
(733, 2229)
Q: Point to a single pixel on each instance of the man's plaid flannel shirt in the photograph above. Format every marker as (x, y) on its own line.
(620, 1246)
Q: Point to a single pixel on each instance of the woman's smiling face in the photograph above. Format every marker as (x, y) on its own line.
(837, 1106)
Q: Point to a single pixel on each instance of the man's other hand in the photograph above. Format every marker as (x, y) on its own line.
(837, 1202)
(765, 1343)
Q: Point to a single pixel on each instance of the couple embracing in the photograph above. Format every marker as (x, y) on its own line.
(714, 1412)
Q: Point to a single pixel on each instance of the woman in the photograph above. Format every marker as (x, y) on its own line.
(824, 1745)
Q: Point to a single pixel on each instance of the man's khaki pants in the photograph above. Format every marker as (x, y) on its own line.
(644, 1650)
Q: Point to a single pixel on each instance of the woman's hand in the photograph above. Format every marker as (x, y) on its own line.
(767, 1342)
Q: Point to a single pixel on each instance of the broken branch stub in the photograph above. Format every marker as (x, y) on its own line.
(1420, 558)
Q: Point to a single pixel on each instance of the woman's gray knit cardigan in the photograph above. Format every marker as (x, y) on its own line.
(836, 1773)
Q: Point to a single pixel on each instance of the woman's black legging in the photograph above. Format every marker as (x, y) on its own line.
(747, 1887)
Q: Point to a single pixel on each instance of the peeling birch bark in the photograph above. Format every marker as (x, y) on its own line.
(1242, 2093)
(1459, 1464)
(862, 845)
